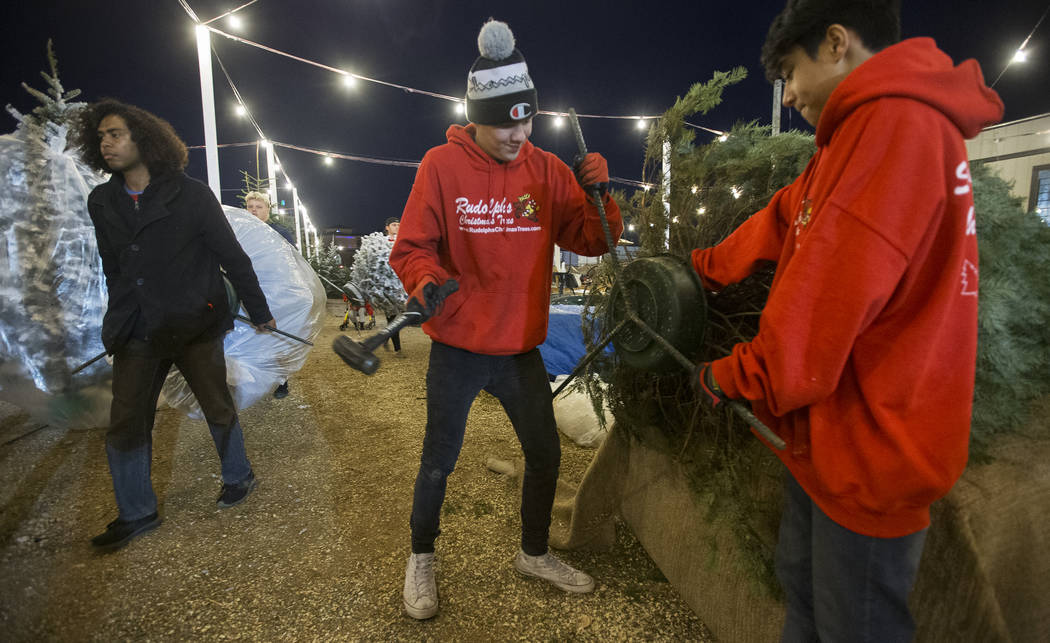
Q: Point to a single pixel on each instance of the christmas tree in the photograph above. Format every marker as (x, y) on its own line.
(328, 263)
(53, 291)
(371, 272)
(714, 188)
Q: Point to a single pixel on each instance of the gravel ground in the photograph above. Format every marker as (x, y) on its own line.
(318, 551)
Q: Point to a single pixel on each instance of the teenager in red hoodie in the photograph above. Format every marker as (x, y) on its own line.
(865, 356)
(486, 210)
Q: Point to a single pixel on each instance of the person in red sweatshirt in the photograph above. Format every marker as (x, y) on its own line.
(865, 356)
(485, 210)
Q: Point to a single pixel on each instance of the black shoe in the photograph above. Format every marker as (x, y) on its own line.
(120, 532)
(235, 494)
(281, 391)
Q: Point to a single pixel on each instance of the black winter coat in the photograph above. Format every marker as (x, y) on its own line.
(161, 258)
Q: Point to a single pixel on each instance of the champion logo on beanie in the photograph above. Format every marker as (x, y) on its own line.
(499, 88)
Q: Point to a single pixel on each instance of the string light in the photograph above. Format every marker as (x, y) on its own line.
(701, 210)
(723, 138)
(736, 192)
(350, 80)
(1021, 55)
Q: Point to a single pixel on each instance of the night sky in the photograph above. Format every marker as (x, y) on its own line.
(610, 58)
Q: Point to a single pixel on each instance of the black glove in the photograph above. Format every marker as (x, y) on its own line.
(592, 172)
(705, 384)
(427, 298)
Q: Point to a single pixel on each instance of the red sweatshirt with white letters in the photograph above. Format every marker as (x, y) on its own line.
(492, 227)
(865, 356)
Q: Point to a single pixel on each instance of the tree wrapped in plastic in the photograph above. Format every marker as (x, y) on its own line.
(371, 272)
(53, 292)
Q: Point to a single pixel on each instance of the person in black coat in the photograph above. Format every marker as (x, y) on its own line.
(162, 237)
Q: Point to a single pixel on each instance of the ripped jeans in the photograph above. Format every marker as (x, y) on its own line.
(520, 383)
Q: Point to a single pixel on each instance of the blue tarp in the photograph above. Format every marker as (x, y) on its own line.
(564, 347)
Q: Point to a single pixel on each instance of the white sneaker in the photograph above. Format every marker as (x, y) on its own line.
(420, 595)
(554, 571)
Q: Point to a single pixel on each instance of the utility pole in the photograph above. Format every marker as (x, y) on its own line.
(208, 103)
(778, 95)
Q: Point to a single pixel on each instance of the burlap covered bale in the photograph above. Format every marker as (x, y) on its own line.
(984, 575)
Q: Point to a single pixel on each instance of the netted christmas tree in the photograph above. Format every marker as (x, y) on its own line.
(714, 188)
(371, 272)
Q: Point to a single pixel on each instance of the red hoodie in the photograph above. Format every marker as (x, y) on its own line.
(492, 227)
(865, 357)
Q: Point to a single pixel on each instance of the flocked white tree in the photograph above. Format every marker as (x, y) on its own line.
(371, 272)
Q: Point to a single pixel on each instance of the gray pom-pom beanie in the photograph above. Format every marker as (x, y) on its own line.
(499, 88)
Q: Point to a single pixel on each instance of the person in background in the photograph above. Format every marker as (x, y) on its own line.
(162, 237)
(393, 224)
(258, 204)
(486, 210)
(865, 356)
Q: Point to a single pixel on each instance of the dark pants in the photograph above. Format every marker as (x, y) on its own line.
(138, 375)
(519, 382)
(396, 337)
(841, 585)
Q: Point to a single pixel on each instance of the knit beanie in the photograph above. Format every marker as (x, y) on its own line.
(499, 89)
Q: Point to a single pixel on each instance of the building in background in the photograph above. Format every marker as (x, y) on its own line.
(1019, 151)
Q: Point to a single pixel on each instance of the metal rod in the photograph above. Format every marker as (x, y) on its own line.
(588, 357)
(88, 363)
(276, 330)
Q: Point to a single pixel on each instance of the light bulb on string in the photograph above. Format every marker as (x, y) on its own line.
(240, 110)
(328, 160)
(349, 80)
(723, 138)
(559, 121)
(1020, 56)
(641, 123)
(235, 23)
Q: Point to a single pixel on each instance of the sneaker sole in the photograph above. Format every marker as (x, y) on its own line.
(572, 589)
(418, 614)
(145, 529)
(251, 488)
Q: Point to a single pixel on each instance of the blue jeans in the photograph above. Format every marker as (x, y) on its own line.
(841, 585)
(138, 375)
(520, 383)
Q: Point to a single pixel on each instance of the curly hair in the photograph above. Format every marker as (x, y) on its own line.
(804, 23)
(161, 149)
